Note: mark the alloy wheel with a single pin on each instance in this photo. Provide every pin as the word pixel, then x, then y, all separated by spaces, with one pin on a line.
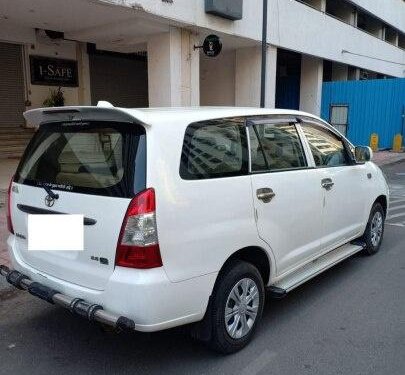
pixel 241 308
pixel 376 228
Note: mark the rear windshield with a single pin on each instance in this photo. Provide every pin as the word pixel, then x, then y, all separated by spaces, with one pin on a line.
pixel 103 158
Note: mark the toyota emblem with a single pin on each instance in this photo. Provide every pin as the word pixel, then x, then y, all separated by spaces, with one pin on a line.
pixel 49 201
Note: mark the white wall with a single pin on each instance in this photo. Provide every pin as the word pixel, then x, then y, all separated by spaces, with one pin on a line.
pixel 311 85
pixel 173 69
pixel 217 79
pixel 248 77
pixel 65 50
pixel 16 33
pixel 390 11
pixel 295 26
pixel 192 13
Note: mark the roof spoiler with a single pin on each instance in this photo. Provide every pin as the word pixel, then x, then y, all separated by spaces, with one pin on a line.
pixel 36 117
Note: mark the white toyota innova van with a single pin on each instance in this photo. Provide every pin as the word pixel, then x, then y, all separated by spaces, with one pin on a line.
pixel 190 215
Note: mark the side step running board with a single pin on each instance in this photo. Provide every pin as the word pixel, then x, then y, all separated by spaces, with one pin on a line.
pixel 280 288
pixel 75 305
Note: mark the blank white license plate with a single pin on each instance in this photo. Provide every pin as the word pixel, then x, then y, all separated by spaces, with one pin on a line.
pixel 55 232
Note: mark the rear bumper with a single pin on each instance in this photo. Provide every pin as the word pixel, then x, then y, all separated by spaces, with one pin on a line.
pixel 147 297
pixel 91 311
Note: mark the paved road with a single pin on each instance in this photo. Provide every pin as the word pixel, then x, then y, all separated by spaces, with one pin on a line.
pixel 396 176
pixel 349 320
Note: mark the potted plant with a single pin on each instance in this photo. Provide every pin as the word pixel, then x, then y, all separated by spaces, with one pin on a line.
pixel 55 98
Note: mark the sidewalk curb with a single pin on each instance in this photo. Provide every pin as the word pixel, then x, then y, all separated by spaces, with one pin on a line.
pixel 390 162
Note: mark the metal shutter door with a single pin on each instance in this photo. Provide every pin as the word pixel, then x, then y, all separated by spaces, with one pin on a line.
pixel 12 101
pixel 121 81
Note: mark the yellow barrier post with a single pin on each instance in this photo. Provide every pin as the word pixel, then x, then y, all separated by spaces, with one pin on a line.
pixel 397 144
pixel 374 142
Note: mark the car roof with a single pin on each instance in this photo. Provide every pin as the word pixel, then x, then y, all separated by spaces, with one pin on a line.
pixel 149 116
pixel 193 114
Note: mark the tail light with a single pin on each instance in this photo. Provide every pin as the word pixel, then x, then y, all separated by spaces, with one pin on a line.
pixel 138 245
pixel 8 214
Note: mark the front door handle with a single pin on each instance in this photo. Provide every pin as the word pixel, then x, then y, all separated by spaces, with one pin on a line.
pixel 265 194
pixel 327 183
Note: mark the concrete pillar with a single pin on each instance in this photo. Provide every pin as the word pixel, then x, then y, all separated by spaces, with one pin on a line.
pixel 248 77
pixel 173 69
pixel 383 32
pixel 354 74
pixel 353 18
pixel 396 40
pixel 84 89
pixel 339 72
pixel 317 4
pixel 323 5
pixel 311 84
pixel 271 77
pixel 217 79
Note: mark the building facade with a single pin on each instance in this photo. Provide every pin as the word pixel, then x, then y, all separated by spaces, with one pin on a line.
pixel 140 53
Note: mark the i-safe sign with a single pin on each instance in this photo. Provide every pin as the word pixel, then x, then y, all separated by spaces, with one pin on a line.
pixel 50 71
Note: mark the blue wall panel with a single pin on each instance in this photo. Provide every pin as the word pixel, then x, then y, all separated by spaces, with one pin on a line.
pixel 375 106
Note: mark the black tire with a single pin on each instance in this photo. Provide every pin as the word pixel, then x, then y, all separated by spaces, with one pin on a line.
pixel 220 339
pixel 372 246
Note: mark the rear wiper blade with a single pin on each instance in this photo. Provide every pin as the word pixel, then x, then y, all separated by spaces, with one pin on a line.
pixel 50 192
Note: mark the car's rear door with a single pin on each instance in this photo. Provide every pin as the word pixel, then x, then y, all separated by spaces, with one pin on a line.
pixel 95 168
pixel 343 182
pixel 286 192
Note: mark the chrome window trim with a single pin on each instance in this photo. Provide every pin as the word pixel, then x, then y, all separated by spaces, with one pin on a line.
pixel 247 130
pixel 292 120
pixel 306 147
pixel 328 127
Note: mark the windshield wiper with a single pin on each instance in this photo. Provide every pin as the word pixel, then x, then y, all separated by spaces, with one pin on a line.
pixel 50 192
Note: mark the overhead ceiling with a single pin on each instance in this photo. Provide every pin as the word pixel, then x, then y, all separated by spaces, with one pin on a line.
pixel 83 20
pixel 119 28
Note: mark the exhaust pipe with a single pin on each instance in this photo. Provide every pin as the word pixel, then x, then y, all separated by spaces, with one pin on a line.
pixel 92 312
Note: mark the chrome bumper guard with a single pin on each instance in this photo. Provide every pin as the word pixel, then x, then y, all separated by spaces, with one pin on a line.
pixel 92 312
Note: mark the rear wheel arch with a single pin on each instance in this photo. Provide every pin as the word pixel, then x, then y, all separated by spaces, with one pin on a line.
pixel 255 255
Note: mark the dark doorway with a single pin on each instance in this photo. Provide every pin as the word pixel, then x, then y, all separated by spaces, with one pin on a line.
pixel 288 79
pixel 121 79
pixel 12 98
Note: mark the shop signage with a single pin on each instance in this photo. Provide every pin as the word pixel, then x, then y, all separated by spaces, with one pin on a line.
pixel 50 71
pixel 212 46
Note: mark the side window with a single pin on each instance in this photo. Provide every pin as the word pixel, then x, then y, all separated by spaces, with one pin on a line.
pixel 275 147
pixel 327 148
pixel 338 117
pixel 214 149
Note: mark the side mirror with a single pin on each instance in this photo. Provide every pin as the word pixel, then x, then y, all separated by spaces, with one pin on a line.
pixel 363 154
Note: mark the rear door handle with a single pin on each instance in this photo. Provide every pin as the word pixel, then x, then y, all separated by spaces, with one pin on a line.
pixel 265 194
pixel 327 183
